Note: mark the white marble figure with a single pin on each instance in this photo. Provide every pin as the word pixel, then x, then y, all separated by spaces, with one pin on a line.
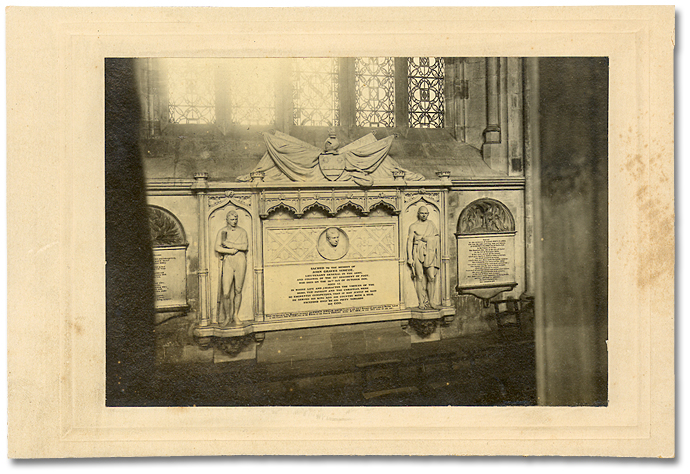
pixel 423 257
pixel 231 244
pixel 332 247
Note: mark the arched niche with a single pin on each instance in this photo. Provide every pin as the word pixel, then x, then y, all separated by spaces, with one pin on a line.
pixel 410 217
pixel 217 220
pixel 486 249
pixel 169 259
pixel 485 216
pixel 166 229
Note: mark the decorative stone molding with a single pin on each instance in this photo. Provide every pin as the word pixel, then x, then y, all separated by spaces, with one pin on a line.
pixel 331 201
pixel 232 345
pixel 485 216
pixel 200 181
pixel 242 200
pixel 257 176
pixel 422 193
pixel 424 327
pixel 166 230
pixel 444 176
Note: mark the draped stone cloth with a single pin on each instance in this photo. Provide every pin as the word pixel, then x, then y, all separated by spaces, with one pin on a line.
pixel 365 160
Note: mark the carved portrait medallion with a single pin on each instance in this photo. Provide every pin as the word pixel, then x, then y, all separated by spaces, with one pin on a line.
pixel 333 243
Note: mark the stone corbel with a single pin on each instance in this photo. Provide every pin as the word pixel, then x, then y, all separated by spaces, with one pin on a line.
pixel 424 327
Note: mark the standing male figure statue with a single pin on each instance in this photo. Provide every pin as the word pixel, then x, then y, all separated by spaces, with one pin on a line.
pixel 232 245
pixel 423 257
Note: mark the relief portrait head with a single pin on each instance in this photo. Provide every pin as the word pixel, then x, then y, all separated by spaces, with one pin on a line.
pixel 333 243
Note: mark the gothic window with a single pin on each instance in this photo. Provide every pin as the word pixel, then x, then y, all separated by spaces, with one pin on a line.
pixel 315 91
pixel 252 91
pixel 232 94
pixel 425 84
pixel 375 92
pixel 191 91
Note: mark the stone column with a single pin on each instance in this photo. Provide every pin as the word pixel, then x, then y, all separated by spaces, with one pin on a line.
pixel 444 176
pixel 492 133
pixel 258 253
pixel 531 155
pixel 399 177
pixel 515 110
pixel 200 188
pixel 491 149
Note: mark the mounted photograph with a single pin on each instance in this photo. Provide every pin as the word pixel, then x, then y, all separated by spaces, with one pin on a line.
pixel 346 231
pixel 359 231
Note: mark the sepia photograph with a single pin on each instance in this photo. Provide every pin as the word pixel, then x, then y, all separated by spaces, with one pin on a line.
pixel 348 231
pixel 357 231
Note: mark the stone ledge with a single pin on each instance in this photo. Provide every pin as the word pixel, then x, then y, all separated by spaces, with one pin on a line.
pixel 269 326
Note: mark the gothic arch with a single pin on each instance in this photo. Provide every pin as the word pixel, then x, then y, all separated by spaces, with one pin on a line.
pixel 166 229
pixel 485 216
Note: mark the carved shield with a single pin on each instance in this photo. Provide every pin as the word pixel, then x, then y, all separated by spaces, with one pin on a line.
pixel 332 165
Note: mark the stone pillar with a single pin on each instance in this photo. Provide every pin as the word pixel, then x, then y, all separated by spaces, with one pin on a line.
pixel 501 161
pixel 531 155
pixel 200 188
pixel 444 277
pixel 491 149
pixel 571 232
pixel 515 110
pixel 492 134
pixel 257 242
pixel 402 236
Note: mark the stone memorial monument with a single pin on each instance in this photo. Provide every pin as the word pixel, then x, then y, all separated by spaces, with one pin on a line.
pixel 324 236
pixel 169 260
pixel 486 249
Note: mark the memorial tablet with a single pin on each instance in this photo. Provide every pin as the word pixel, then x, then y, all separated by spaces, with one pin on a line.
pixel 169 260
pixel 486 249
pixel 170 278
pixel 302 279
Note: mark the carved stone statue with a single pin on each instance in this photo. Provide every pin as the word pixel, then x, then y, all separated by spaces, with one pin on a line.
pixel 333 246
pixel 423 257
pixel 231 244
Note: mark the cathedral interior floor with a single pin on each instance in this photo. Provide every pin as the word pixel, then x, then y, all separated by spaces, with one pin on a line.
pixel 493 369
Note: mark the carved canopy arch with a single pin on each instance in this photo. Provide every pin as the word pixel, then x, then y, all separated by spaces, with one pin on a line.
pixel 384 206
pixel 485 216
pixel 166 230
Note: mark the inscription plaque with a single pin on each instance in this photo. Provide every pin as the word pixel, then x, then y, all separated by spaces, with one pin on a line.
pixel 302 279
pixel 486 261
pixel 329 288
pixel 170 277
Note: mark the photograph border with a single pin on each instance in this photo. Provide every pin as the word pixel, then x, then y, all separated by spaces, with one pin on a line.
pixel 55 58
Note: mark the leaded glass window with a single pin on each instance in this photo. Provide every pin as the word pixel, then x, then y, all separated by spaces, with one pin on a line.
pixel 425 81
pixel 192 90
pixel 315 91
pixel 375 92
pixel 252 91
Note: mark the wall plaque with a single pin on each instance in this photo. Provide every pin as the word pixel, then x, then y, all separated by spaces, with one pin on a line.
pixel 486 261
pixel 331 288
pixel 330 267
pixel 486 249
pixel 170 277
